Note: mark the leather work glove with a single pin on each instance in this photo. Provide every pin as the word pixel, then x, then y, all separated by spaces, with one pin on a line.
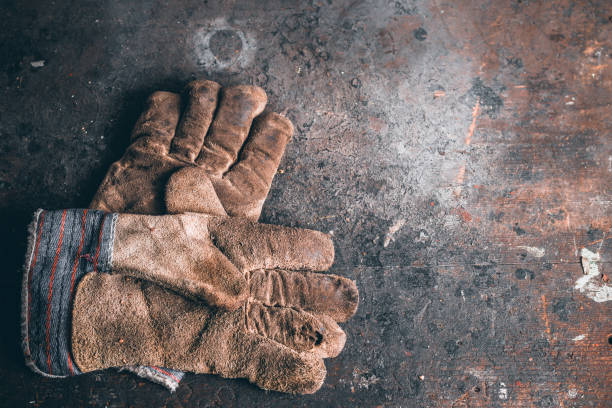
pixel 195 154
pixel 200 161
pixel 83 312
pixel 200 152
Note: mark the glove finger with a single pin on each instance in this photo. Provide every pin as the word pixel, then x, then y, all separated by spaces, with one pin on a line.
pixel 156 126
pixel 230 128
pixel 272 366
pixel 296 329
pixel 320 294
pixel 250 245
pixel 201 104
pixel 252 175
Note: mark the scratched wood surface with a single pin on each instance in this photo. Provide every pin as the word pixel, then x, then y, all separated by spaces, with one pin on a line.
pixel 460 152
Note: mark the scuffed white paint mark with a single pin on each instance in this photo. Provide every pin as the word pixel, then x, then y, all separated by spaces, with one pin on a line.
pixel 206 58
pixel 37 64
pixel 397 225
pixel 503 391
pixel 363 379
pixel 588 260
pixel 419 317
pixel 482 375
pixel 366 382
pixel 590 284
pixel 579 337
pixel 572 393
pixel 575 247
pixel 422 238
pixel 533 251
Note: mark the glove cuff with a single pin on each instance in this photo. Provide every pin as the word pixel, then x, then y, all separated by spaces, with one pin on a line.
pixel 63 246
pixel 165 377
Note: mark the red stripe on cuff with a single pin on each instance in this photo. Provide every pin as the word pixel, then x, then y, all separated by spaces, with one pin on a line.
pixel 74 268
pixel 70 365
pixel 165 373
pixel 57 253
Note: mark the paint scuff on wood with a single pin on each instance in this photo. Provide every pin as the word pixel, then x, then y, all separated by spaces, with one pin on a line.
pixel 397 225
pixel 533 251
pixel 590 284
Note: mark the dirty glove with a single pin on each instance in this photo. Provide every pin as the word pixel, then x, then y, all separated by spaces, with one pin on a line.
pixel 77 317
pixel 200 161
pixel 186 149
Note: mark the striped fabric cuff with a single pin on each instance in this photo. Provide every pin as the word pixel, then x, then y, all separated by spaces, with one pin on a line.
pixel 63 246
pixel 164 376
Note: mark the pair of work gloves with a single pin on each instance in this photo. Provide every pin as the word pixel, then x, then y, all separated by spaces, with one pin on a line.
pixel 169 271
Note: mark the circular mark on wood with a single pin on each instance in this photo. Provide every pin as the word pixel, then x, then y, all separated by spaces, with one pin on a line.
pixel 225 45
pixel 222 47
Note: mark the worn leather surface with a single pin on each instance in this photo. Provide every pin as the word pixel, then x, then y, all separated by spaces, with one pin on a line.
pixel 213 258
pixel 215 158
pixel 217 155
pixel 121 321
pixel 178 149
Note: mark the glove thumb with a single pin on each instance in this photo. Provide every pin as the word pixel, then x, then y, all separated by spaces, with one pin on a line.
pixel 190 190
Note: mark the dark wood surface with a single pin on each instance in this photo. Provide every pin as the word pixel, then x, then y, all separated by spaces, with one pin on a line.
pixel 459 151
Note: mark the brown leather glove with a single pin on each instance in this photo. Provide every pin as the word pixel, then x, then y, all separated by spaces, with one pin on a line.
pixel 199 161
pixel 170 154
pixel 204 165
pixel 118 321
pixel 82 312
pixel 213 258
